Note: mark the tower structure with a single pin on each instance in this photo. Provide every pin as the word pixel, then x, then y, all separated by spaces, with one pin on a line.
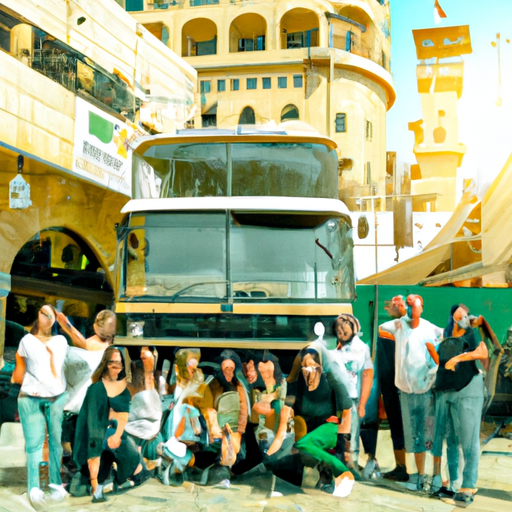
pixel 439 76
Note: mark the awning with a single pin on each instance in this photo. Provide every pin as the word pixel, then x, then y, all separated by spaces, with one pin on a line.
pixel 497 219
pixel 449 231
pixel 473 271
pixel 496 240
pixel 417 269
pixel 209 109
pixel 413 270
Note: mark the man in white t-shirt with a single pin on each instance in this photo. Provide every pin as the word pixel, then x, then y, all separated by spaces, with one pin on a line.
pixel 356 369
pixel 415 372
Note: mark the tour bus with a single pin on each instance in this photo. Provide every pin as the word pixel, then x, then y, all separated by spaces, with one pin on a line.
pixel 233 239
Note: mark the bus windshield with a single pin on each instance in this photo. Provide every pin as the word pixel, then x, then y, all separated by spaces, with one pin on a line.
pixel 236 169
pixel 228 255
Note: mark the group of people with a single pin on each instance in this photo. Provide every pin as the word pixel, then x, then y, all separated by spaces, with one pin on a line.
pixel 84 389
pixel 215 419
pixel 433 392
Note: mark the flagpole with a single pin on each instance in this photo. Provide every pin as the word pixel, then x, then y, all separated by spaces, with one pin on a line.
pixel 497 44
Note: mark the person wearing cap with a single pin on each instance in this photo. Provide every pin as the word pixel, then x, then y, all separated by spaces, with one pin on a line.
pixel 353 355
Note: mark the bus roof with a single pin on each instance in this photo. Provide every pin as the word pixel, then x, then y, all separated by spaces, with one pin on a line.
pixel 262 204
pixel 242 134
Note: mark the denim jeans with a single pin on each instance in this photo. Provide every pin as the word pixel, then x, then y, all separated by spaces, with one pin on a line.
pixel 418 421
pixel 458 417
pixel 37 413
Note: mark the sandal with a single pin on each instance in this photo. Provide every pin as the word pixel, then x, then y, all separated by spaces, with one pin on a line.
pixel 461 499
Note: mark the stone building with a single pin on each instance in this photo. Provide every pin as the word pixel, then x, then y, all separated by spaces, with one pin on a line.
pixel 322 62
pixel 78 80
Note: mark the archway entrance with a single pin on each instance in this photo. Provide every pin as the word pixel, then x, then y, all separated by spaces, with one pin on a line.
pixel 247 116
pixel 56 266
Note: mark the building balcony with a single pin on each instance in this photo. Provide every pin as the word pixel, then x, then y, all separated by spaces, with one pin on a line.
pixel 42 128
pixel 71 69
pixel 290 57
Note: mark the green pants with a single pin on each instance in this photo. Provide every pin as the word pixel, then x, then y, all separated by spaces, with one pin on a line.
pixel 316 444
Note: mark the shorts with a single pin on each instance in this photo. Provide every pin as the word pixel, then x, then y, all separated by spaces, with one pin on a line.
pixel 418 421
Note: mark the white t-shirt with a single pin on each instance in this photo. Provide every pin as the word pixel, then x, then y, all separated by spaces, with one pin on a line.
pixel 39 379
pixel 355 357
pixel 145 414
pixel 79 366
pixel 415 370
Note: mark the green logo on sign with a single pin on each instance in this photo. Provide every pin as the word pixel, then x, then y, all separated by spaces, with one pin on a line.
pixel 100 128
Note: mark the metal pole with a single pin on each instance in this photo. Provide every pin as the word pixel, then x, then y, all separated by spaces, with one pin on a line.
pixel 375 233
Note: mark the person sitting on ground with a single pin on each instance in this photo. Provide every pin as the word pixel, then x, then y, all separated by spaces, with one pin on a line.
pixel 143 425
pixel 100 437
pixel 274 434
pixel 322 409
pixel 229 414
pixel 182 430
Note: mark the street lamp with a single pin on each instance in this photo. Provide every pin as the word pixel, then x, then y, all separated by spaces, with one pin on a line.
pixel 496 44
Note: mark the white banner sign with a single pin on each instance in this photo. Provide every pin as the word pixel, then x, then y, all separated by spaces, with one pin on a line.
pixel 101 150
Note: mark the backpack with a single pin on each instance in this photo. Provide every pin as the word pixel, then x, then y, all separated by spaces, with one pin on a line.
pixel 228 409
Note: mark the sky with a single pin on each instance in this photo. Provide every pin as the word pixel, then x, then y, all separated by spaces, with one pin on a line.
pixel 484 128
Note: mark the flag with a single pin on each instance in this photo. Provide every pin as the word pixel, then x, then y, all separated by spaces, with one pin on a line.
pixel 438 9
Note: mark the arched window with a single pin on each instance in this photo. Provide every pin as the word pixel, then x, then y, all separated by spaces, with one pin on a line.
pixel 247 116
pixel 299 29
pixel 247 33
pixel 199 37
pixel 289 112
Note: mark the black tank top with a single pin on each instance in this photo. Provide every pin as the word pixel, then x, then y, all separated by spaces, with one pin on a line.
pixel 449 380
pixel 121 402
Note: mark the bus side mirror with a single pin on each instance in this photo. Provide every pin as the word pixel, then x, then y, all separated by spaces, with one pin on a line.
pixel 362 227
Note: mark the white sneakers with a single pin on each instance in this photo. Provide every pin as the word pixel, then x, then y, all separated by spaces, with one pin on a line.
pixel 40 500
pixel 343 485
pixel 58 493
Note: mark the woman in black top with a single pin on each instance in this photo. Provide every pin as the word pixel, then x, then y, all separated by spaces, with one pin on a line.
pixel 459 400
pixel 100 437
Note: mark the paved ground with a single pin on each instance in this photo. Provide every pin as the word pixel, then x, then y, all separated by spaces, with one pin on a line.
pixel 251 492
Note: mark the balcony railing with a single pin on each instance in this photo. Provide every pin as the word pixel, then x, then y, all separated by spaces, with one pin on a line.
pixel 195 3
pixel 305 39
pixel 69 68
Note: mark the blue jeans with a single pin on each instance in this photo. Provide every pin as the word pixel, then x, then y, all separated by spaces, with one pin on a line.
pixel 37 413
pixel 458 417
